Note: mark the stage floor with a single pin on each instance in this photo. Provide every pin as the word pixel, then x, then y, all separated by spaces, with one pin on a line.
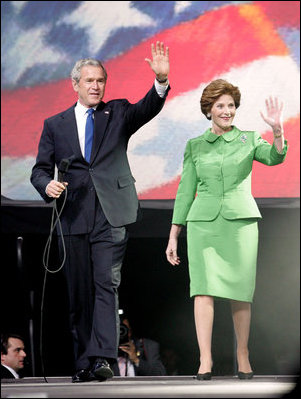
pixel 150 387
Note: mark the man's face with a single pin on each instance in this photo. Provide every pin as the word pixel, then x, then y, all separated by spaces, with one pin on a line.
pixel 91 86
pixel 15 354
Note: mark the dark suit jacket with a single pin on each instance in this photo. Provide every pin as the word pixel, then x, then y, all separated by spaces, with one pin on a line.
pixel 149 360
pixel 108 172
pixel 5 373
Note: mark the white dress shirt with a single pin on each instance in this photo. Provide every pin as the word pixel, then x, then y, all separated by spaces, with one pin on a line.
pixel 126 367
pixel 81 118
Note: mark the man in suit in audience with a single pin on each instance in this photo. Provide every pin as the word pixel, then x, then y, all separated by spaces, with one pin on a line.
pixel 12 356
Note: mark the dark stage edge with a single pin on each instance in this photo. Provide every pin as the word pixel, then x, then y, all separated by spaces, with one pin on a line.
pixel 271 386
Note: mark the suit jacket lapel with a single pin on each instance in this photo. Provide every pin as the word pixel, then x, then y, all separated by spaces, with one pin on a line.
pixel 69 127
pixel 102 116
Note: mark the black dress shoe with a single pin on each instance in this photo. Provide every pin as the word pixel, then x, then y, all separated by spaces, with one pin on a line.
pixel 245 376
pixel 204 376
pixel 101 369
pixel 83 375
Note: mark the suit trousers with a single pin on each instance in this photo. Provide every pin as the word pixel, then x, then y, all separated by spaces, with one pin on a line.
pixel 93 274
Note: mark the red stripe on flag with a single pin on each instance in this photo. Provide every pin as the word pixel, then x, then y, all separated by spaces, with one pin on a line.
pixel 199 50
pixel 282 13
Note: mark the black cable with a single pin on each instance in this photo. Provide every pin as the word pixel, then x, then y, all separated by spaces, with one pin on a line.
pixel 46 266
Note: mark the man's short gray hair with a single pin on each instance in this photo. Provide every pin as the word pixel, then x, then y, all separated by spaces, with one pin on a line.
pixel 75 73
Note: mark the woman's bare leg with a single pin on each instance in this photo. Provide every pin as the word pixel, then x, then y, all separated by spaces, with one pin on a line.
pixel 241 314
pixel 203 316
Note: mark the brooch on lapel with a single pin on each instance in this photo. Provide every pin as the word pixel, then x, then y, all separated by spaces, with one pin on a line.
pixel 243 138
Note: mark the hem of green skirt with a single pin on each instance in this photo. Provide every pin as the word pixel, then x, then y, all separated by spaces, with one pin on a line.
pixel 223 298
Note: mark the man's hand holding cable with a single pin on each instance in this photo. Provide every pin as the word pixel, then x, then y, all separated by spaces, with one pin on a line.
pixel 54 188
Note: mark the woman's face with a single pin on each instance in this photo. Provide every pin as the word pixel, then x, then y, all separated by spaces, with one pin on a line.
pixel 222 114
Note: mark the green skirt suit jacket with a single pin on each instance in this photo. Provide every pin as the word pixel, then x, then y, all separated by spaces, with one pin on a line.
pixel 214 199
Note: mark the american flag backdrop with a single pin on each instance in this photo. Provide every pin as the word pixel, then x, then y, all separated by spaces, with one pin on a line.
pixel 253 44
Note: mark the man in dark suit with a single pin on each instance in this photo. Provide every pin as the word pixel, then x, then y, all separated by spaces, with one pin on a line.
pixel 92 137
pixel 12 355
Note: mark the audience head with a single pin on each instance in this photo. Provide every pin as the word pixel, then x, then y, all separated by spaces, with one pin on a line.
pixel 12 351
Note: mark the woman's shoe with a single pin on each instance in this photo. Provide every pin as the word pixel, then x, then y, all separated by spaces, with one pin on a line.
pixel 204 376
pixel 245 376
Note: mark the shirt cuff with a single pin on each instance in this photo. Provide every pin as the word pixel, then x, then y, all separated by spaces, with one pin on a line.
pixel 160 88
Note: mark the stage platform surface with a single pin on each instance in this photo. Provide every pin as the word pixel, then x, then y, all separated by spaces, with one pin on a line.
pixel 152 387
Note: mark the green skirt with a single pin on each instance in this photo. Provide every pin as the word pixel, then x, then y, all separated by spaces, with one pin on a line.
pixel 222 256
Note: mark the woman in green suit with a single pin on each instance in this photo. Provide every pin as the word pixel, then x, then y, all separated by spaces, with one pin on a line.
pixel 214 199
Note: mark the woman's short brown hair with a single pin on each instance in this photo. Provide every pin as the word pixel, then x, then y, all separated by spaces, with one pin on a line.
pixel 214 90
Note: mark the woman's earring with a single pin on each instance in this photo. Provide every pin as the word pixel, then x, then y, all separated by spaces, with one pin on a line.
pixel 208 115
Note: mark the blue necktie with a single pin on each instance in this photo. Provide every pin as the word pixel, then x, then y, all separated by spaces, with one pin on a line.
pixel 89 134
